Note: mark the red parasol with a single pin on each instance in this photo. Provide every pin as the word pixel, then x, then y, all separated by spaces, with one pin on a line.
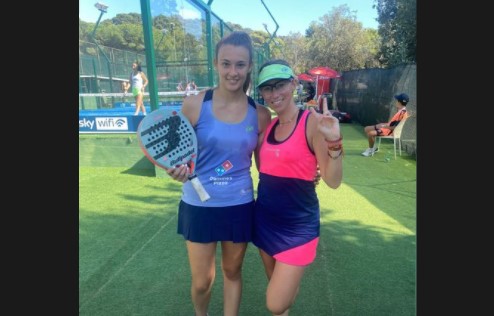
pixel 305 77
pixel 324 72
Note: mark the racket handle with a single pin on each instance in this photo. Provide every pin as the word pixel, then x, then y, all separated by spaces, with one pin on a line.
pixel 203 195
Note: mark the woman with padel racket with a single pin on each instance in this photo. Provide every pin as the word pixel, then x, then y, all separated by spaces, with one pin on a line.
pixel 229 126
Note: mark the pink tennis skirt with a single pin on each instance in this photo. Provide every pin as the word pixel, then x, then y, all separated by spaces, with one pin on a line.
pixel 299 256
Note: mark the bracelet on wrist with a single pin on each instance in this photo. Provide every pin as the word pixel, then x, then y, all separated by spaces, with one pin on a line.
pixel 334 141
pixel 335 147
pixel 337 156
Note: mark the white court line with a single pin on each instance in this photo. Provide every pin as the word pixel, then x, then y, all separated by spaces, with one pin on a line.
pixel 324 253
pixel 126 263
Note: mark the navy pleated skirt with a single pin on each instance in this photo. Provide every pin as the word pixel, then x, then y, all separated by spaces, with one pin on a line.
pixel 208 224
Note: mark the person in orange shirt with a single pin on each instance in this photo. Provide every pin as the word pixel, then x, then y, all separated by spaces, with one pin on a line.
pixel 384 129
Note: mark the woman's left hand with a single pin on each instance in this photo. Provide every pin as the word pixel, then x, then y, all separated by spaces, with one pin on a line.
pixel 180 173
pixel 327 124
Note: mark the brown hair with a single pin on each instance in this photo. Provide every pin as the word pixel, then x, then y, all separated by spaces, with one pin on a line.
pixel 138 63
pixel 238 38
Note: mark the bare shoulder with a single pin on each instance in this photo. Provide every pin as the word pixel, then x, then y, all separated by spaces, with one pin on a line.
pixel 191 106
pixel 194 99
pixel 262 110
pixel 311 125
pixel 263 116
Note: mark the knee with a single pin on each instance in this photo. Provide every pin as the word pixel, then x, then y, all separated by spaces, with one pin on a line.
pixel 232 272
pixel 278 303
pixel 203 285
pixel 276 308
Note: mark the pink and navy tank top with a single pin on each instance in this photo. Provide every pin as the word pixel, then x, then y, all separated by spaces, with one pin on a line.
pixel 287 208
pixel 291 158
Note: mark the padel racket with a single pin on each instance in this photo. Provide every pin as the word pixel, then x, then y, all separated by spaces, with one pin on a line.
pixel 168 140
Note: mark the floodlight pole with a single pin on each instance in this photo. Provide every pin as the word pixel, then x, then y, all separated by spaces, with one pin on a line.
pixel 103 9
pixel 272 36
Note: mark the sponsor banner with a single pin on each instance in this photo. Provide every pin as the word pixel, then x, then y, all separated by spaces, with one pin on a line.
pixel 109 124
pixel 126 105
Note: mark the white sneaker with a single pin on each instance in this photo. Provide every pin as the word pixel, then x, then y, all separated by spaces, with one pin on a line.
pixel 368 152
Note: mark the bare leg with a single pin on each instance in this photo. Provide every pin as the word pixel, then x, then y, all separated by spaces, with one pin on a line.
pixel 202 266
pixel 143 108
pixel 140 104
pixel 268 262
pixel 283 286
pixel 371 135
pixel 231 264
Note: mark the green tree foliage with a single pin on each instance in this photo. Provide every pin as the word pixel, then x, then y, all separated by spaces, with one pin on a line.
pixel 397 29
pixel 127 18
pixel 237 27
pixel 161 22
pixel 336 39
pixel 85 29
pixel 339 41
pixel 295 51
pixel 259 38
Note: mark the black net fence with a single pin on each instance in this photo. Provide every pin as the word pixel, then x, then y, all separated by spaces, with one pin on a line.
pixel 368 96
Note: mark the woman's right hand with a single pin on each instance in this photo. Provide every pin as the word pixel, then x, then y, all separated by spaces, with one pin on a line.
pixel 180 173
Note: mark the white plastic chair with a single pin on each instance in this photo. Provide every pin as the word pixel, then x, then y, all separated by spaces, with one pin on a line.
pixel 395 136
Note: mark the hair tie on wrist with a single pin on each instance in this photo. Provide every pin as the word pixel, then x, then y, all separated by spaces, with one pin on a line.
pixel 334 141
pixel 340 148
pixel 335 148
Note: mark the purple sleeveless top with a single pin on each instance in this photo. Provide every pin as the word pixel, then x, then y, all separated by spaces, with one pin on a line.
pixel 224 157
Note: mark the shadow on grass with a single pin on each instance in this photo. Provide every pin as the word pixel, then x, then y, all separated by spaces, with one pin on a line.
pixel 142 167
pixel 132 261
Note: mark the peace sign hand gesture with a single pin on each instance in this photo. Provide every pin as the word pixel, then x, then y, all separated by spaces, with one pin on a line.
pixel 327 124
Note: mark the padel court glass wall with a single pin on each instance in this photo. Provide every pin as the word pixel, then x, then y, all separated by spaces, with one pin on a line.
pixel 175 45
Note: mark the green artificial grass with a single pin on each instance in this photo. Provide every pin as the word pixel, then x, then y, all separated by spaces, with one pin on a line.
pixel 132 261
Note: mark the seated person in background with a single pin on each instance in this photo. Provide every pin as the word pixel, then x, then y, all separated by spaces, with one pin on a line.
pixel 180 87
pixel 384 129
pixel 125 88
pixel 193 85
pixel 311 91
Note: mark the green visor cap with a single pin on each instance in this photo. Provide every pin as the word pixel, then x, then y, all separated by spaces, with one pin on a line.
pixel 275 71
